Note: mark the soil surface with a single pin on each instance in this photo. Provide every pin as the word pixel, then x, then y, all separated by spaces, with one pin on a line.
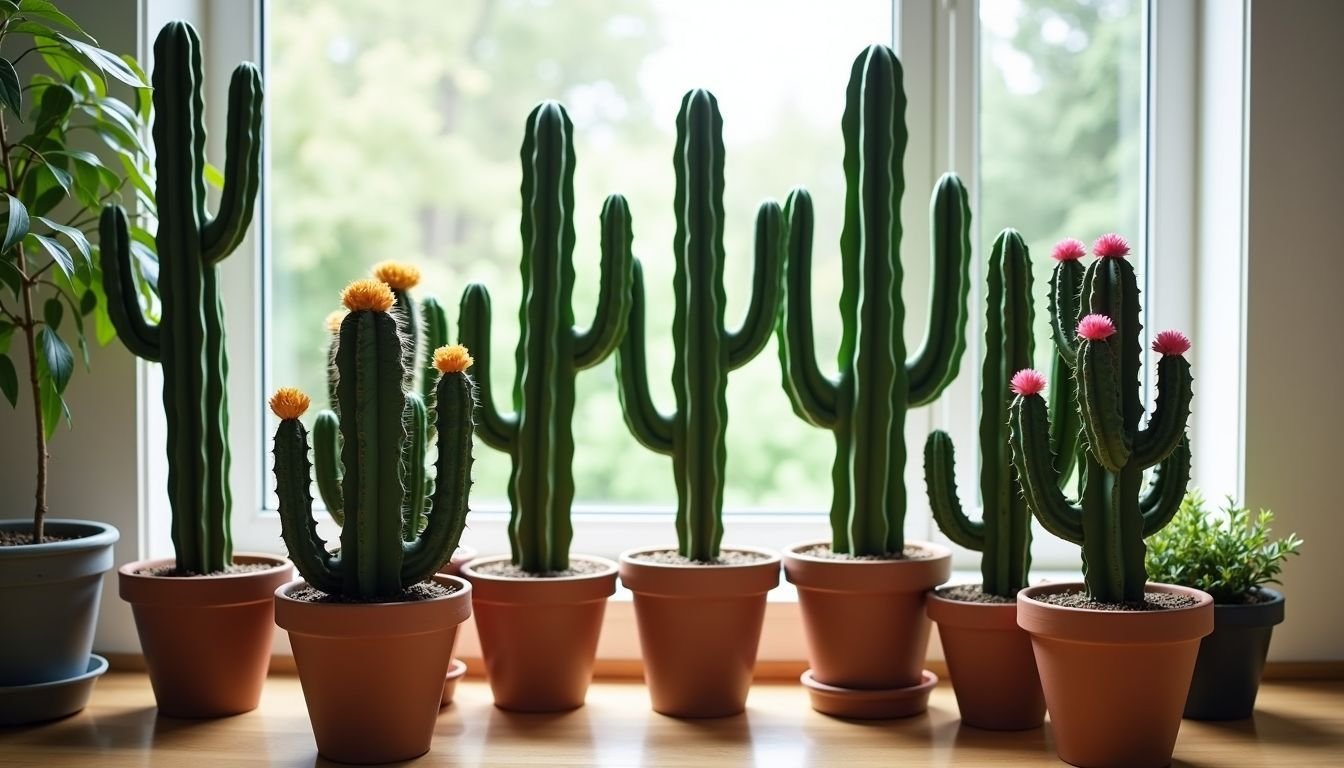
pixel 1153 601
pixel 504 569
pixel 24 538
pixel 425 590
pixel 726 557
pixel 171 571
pixel 825 551
pixel 972 593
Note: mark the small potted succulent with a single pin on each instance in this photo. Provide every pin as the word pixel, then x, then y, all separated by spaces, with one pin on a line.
pixel 207 602
pixel 988 656
pixel 51 569
pixel 862 593
pixel 372 625
pixel 1232 556
pixel 699 606
pixel 1115 653
pixel 539 609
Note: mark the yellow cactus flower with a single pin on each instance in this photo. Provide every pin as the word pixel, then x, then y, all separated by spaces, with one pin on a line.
pixel 452 359
pixel 397 274
pixel 368 296
pixel 289 403
pixel 334 320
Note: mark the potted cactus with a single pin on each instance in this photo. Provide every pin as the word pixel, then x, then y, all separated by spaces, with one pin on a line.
pixel 868 575
pixel 372 624
pixel 988 656
pixel 1115 653
pixel 208 602
pixel 699 606
pixel 539 609
pixel 1232 556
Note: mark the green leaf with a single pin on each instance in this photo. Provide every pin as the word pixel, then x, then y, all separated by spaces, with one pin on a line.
pixel 11 93
pixel 56 356
pixel 53 311
pixel 6 333
pixel 18 223
pixel 53 405
pixel 88 302
pixel 213 176
pixel 53 109
pixel 8 8
pixel 57 252
pixel 109 63
pixel 75 236
pixel 9 380
pixel 46 13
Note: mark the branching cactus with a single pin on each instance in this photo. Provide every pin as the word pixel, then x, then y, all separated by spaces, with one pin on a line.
pixel 1114 512
pixel 538 432
pixel 189 341
pixel 383 550
pixel 694 435
pixel 866 402
pixel 1003 534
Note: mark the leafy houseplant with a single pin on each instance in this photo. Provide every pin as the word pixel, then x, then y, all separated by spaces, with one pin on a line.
pixel 1232 556
pixel 1113 638
pixel 207 601
pixel 698 654
pixel 861 577
pixel 51 570
pixel 372 593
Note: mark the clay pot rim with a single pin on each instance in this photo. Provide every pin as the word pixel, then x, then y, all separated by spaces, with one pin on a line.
pixel 1086 625
pixel 215 589
pixel 470 566
pixel 536 590
pixel 824 574
pixel 968 615
pixel 98 535
pixel 694 580
pixel 457 669
pixel 1262 614
pixel 927 681
pixel 350 620
pixel 771 556
pixel 939 552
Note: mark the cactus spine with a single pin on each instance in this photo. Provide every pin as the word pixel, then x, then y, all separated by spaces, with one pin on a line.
pixel 382 549
pixel 694 435
pixel 189 339
pixel 1114 512
pixel 865 404
pixel 538 433
pixel 1003 533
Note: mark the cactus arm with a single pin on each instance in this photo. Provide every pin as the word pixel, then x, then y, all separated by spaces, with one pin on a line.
pixel 498 430
pixel 651 427
pixel 814 395
pixel 936 363
pixel 940 477
pixel 1166 426
pixel 327 462
pixel 297 526
pixel 1029 431
pixel 1166 490
pixel 242 167
pixel 218 533
pixel 455 398
pixel 751 337
pixel 1065 287
pixel 123 301
pixel 1065 424
pixel 413 466
pixel 593 345
pixel 1099 404
pixel 435 321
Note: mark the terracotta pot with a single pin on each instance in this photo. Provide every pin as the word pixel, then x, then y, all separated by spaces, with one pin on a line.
pixel 864 619
pixel 453 567
pixel 539 635
pixel 699 628
pixel 372 673
pixel 1231 660
pixel 1115 682
pixel 206 639
pixel 990 661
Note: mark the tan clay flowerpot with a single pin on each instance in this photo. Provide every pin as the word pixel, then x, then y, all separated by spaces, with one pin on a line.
pixel 1115 681
pixel 991 664
pixel 453 567
pixel 372 673
pixel 865 621
pixel 699 628
pixel 206 639
pixel 539 635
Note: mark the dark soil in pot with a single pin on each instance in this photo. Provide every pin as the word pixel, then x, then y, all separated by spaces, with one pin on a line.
pixel 1232 659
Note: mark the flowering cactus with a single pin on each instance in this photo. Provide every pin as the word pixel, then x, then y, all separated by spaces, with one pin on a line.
pixel 1114 513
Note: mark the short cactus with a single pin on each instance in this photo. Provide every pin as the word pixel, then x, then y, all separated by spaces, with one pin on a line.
pixel 382 550
pixel 694 434
pixel 538 433
pixel 1003 534
pixel 1114 513
pixel 865 405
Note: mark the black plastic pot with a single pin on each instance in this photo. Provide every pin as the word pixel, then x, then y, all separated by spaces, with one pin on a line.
pixel 1227 673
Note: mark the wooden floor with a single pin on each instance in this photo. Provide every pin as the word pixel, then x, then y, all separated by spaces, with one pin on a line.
pixel 1298 724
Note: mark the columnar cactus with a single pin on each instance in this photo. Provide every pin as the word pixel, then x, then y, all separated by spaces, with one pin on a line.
pixel 865 404
pixel 538 433
pixel 1003 534
pixel 188 341
pixel 694 434
pixel 383 550
pixel 1114 512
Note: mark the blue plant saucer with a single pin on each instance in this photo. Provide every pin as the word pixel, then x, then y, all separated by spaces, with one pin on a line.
pixel 36 702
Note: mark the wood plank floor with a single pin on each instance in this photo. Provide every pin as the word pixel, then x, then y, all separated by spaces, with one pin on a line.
pixel 1297 724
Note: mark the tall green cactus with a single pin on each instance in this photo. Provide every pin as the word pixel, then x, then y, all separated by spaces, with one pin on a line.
pixel 189 341
pixel 1114 513
pixel 383 550
pixel 538 433
pixel 694 435
pixel 1003 533
pixel 865 404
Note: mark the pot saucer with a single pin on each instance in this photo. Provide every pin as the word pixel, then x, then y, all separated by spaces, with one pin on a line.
pixel 456 671
pixel 868 704
pixel 36 702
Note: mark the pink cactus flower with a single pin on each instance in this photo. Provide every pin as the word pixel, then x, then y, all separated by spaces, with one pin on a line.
pixel 1069 250
pixel 1027 382
pixel 1171 343
pixel 1096 328
pixel 1111 246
